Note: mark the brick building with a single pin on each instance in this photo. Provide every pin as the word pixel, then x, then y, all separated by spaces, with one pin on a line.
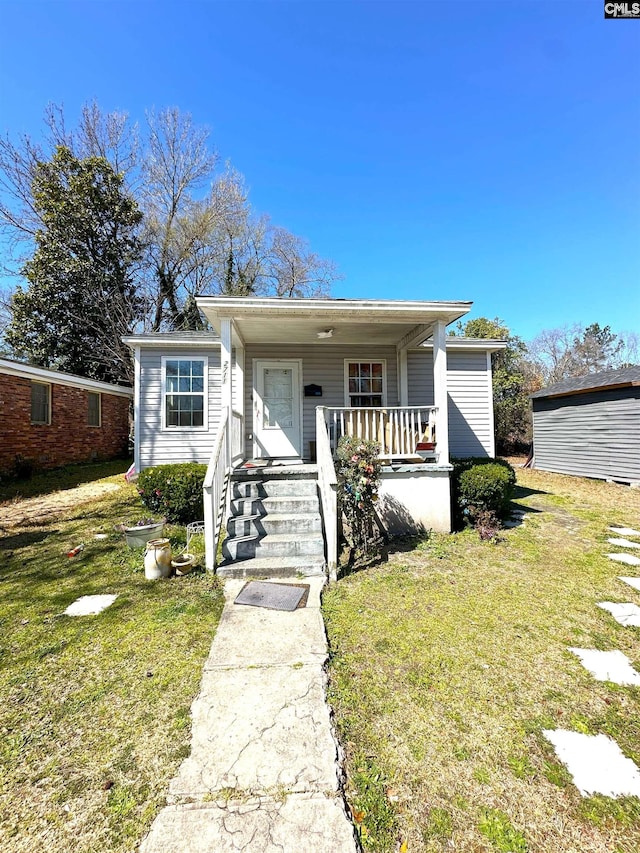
pixel 52 419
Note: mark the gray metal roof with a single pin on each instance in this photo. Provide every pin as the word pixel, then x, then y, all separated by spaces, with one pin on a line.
pixel 626 376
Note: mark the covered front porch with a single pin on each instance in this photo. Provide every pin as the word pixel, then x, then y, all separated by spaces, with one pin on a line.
pixel 296 375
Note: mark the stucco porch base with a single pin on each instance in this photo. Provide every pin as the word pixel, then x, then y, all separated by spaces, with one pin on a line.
pixel 415 498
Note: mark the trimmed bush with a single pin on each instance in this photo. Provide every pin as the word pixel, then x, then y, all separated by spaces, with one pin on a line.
pixel 174 491
pixel 481 485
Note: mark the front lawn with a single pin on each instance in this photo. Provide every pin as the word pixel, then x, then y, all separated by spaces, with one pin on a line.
pixel 94 710
pixel 450 659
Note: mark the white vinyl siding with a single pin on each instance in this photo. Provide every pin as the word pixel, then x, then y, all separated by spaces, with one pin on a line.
pixel 322 365
pixel 158 446
pixel 470 398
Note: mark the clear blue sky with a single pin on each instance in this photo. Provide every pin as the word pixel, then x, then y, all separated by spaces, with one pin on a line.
pixel 487 151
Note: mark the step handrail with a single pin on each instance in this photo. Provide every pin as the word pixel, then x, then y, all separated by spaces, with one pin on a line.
pixel 215 491
pixel 328 488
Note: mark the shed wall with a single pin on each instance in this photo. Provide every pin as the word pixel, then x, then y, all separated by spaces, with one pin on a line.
pixel 589 435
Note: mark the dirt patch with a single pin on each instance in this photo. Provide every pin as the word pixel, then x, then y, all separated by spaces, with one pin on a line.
pixel 31 512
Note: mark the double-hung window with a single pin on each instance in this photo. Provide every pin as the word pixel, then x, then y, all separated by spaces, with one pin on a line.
pixel 184 393
pixel 40 403
pixel 94 409
pixel 366 384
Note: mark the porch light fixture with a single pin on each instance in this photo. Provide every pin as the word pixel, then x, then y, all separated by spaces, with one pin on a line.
pixel 328 333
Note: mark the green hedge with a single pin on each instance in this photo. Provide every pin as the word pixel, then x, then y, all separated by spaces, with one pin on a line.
pixel 480 484
pixel 174 491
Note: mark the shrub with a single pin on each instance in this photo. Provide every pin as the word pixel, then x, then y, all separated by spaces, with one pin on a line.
pixel 174 491
pixel 358 472
pixel 481 485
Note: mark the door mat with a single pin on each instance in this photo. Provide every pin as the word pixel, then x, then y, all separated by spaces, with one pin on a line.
pixel 275 596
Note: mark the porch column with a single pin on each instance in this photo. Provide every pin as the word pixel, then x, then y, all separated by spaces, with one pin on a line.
pixel 226 379
pixel 440 390
pixel 403 376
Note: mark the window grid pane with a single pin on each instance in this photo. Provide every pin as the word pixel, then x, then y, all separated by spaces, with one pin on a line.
pixel 365 384
pixel 184 392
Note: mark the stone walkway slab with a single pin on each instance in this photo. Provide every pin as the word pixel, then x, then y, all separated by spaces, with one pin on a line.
pixel 628 559
pixel 626 614
pixel 634 582
pixel 625 531
pixel 596 763
pixel 623 543
pixel 264 771
pixel 259 731
pixel 300 823
pixel 90 605
pixel 608 666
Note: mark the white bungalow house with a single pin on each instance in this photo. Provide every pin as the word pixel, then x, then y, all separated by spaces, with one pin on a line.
pixel 265 397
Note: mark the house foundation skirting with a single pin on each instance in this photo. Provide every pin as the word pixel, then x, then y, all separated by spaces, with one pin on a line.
pixel 414 498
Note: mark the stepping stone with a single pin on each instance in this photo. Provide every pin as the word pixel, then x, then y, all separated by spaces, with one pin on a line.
pixel 596 764
pixel 624 543
pixel 629 559
pixel 634 582
pixel 626 614
pixel 608 666
pixel 625 531
pixel 90 605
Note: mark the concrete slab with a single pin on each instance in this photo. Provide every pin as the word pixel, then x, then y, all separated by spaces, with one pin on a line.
pixel 628 559
pixel 596 763
pixel 625 531
pixel 608 666
pixel 260 730
pixel 623 543
pixel 634 582
pixel 264 771
pixel 626 614
pixel 300 822
pixel 90 605
pixel 252 636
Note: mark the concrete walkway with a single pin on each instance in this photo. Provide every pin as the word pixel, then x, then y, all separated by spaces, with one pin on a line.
pixel 263 774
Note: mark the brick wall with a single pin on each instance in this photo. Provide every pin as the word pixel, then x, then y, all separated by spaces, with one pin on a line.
pixel 68 438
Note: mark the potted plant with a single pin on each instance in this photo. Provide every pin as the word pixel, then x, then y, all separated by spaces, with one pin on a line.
pixel 138 533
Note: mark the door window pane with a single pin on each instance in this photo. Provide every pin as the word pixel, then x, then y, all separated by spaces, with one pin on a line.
pixel 277 397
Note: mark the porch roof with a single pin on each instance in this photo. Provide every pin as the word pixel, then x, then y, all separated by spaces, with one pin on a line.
pixel 329 322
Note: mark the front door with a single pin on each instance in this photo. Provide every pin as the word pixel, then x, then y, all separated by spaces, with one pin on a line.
pixel 276 409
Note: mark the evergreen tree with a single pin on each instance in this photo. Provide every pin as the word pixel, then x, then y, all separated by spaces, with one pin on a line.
pixel 81 295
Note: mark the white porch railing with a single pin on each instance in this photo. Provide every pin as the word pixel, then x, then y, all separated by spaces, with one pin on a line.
pixel 399 431
pixel 215 488
pixel 237 437
pixel 328 488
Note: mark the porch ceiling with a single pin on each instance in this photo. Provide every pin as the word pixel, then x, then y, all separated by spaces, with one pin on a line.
pixel 349 321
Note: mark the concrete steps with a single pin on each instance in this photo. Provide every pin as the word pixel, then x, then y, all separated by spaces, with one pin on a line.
pixel 275 527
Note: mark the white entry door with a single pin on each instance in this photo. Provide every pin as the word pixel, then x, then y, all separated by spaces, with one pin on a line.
pixel 276 409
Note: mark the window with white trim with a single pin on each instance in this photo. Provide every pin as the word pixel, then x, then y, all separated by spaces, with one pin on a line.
pixel 94 409
pixel 184 393
pixel 40 403
pixel 366 384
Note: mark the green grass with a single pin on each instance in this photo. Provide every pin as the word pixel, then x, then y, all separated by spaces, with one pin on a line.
pixel 450 659
pixel 94 711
